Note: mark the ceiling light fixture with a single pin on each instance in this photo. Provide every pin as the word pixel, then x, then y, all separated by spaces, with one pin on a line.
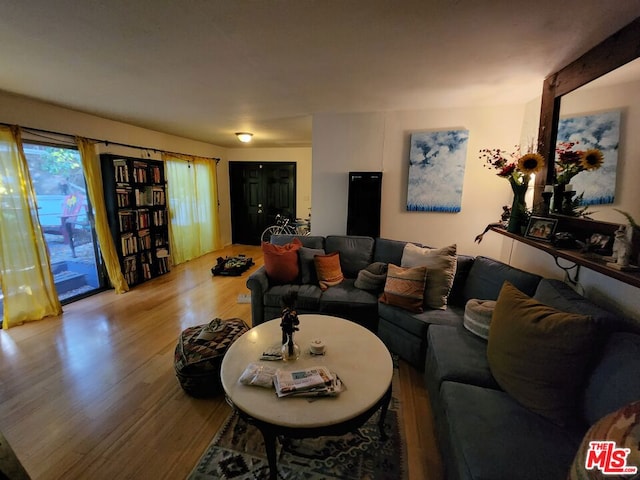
pixel 244 137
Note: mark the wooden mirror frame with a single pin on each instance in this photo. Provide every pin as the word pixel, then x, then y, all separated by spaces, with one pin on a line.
pixel 619 49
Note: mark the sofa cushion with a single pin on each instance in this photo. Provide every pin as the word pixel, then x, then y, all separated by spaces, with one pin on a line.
pixel 615 380
pixel 493 437
pixel 389 251
pixel 418 323
pixel 558 294
pixel 538 354
pixel 328 270
pixel 281 261
pixel 348 295
pixel 457 355
pixel 463 267
pixel 355 252
pixel 309 241
pixel 308 273
pixel 441 267
pixel 621 427
pixel 487 276
pixel 404 288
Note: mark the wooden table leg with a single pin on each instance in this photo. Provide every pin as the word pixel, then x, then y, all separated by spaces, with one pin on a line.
pixel 270 446
pixel 383 413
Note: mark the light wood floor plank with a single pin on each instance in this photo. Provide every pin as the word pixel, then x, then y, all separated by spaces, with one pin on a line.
pixel 92 394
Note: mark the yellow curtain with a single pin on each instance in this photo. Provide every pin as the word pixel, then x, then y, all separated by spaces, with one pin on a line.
pixel 192 194
pixel 93 176
pixel 25 269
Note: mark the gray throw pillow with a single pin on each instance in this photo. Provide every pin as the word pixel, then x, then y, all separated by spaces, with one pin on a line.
pixel 307 267
pixel 372 278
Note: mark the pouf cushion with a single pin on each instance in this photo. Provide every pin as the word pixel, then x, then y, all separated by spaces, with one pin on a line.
pixel 199 352
pixel 477 316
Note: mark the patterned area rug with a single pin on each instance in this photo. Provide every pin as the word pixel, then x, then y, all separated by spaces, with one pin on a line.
pixel 237 452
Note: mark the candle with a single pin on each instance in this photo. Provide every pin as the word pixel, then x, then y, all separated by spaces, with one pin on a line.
pixel 568 188
pixel 548 188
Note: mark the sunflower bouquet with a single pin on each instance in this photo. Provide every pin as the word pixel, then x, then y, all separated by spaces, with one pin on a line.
pixel 571 162
pixel 513 166
pixel 517 169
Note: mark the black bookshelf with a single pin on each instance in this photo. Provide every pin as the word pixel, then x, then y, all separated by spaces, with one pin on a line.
pixel 135 199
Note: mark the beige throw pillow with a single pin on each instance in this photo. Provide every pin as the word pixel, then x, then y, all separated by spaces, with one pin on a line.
pixel 441 266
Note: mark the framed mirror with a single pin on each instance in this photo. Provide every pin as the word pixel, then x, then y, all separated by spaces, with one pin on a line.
pixel 604 79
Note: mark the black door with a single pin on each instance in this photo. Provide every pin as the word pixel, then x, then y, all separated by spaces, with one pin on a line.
pixel 259 191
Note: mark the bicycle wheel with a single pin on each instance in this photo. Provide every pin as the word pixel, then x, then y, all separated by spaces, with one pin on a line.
pixel 272 230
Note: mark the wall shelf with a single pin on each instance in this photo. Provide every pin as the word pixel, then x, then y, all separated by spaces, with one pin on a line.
pixel 590 261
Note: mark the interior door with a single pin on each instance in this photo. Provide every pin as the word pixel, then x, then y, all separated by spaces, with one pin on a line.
pixel 259 191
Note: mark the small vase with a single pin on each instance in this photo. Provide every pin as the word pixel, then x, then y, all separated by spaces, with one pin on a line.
pixel 518 215
pixel 290 350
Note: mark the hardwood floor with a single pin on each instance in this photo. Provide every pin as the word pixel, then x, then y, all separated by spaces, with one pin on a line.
pixel 92 394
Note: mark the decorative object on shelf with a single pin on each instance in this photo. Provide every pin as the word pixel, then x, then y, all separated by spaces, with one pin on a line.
pixel 631 241
pixel 546 199
pixel 541 228
pixel 504 220
pixel 289 324
pixel 516 168
pixel 436 171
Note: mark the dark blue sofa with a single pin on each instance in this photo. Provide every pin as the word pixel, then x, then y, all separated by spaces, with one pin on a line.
pixel 485 434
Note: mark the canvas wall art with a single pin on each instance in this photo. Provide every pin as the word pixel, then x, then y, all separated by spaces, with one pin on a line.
pixel 436 170
pixel 601 131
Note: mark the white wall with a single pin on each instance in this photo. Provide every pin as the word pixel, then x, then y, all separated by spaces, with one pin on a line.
pixel 302 158
pixel 380 142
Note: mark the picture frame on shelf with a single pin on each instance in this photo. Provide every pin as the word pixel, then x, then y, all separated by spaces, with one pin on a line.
pixel 541 228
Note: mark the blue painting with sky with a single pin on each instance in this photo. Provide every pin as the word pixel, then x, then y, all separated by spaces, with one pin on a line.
pixel 436 170
pixel 601 131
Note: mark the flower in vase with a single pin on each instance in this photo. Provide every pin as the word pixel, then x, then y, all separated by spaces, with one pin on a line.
pixel 513 166
pixel 570 162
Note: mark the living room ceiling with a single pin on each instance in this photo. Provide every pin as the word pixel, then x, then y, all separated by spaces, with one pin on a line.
pixel 206 69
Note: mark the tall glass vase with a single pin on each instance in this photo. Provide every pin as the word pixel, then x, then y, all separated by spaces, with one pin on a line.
pixel 518 217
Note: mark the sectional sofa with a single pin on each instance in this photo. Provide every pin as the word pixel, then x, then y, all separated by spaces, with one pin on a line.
pixel 484 431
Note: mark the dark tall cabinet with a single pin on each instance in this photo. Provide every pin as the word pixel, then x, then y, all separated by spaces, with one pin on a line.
pixel 365 195
pixel 135 199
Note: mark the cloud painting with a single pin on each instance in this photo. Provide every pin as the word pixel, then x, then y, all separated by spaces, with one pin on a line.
pixel 436 170
pixel 600 131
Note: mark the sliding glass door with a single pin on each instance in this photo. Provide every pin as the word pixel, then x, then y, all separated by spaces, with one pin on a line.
pixel 66 219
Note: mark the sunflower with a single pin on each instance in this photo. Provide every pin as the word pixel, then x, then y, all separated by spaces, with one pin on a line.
pixel 530 163
pixel 591 159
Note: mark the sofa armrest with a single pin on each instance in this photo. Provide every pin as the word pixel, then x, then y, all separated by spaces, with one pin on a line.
pixel 258 283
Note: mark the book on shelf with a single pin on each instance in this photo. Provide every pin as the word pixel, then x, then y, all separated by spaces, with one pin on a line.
pixel 126 220
pixel 143 218
pixel 129 244
pixel 123 197
pixel 121 171
pixel 310 382
pixel 162 252
pixel 144 239
pixel 140 172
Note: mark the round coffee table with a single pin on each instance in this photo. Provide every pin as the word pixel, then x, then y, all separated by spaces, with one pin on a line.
pixel 360 359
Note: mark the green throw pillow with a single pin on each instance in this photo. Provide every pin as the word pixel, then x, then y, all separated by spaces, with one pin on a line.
pixel 538 354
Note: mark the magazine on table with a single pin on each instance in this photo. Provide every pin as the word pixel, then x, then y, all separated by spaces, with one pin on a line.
pixel 310 382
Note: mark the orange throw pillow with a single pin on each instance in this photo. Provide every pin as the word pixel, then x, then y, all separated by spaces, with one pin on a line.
pixel 281 261
pixel 328 270
pixel 404 287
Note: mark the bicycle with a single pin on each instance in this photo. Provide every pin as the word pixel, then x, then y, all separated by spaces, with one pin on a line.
pixel 284 226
